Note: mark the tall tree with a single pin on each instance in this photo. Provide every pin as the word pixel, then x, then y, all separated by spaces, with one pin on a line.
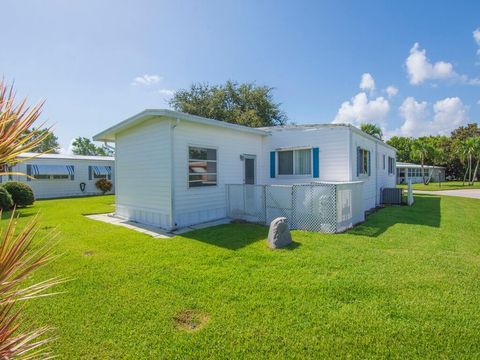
pixel 244 104
pixel 422 150
pixel 372 129
pixel 476 155
pixel 469 149
pixel 403 146
pixel 464 132
pixel 49 141
pixel 84 146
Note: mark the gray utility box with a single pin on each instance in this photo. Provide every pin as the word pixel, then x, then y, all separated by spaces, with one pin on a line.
pixel 392 196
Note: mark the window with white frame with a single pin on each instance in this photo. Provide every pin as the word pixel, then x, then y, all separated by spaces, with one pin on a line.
pixel 202 166
pixel 295 162
pixel 416 172
pixel 391 165
pixel 363 159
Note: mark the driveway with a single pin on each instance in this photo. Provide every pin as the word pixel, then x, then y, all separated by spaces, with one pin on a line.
pixel 469 193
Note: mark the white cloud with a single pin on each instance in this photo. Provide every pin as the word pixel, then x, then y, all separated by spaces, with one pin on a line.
pixel 420 69
pixel 448 114
pixel 476 37
pixel 147 79
pixel 391 91
pixel 478 102
pixel 360 109
pixel 415 115
pixel 367 83
pixel 166 92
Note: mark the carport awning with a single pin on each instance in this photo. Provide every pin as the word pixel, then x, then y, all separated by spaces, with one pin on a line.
pixel 102 170
pixel 53 170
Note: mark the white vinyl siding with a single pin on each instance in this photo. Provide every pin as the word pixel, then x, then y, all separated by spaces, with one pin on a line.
pixel 195 205
pixel 334 156
pixel 61 185
pixel 143 173
pixel 379 177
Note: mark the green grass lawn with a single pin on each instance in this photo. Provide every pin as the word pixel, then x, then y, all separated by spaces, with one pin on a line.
pixel 405 284
pixel 448 185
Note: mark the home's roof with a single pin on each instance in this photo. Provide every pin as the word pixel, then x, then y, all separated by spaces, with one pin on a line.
pixel 411 165
pixel 65 156
pixel 109 134
pixel 330 125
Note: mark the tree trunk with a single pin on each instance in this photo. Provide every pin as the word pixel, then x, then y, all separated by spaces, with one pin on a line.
pixel 423 172
pixel 474 177
pixel 470 169
pixel 466 173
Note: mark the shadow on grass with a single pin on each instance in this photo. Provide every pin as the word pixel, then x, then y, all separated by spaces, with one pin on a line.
pixel 20 212
pixel 292 246
pixel 234 236
pixel 230 236
pixel 425 211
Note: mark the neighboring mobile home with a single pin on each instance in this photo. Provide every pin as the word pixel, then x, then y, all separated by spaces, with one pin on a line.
pixel 61 175
pixel 413 172
pixel 172 168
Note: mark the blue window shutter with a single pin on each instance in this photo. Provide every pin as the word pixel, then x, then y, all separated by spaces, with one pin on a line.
pixel 316 161
pixel 89 173
pixel 369 162
pixel 358 160
pixel 29 172
pixel 272 164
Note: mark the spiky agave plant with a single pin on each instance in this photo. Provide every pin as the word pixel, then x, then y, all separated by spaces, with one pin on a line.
pixel 20 255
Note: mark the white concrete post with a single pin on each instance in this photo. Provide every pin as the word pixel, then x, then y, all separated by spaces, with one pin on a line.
pixel 410 200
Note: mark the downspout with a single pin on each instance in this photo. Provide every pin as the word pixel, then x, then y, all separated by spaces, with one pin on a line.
pixel 173 224
pixel 110 147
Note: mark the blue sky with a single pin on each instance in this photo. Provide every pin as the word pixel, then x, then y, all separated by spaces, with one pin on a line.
pixel 89 58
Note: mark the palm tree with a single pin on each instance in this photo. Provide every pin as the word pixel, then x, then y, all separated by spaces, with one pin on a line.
pixel 466 149
pixel 20 254
pixel 372 129
pixel 421 150
pixel 475 144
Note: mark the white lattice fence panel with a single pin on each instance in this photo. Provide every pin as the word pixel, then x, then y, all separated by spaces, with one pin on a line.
pixel 349 205
pixel 246 202
pixel 319 207
pixel 254 200
pixel 314 208
pixel 278 202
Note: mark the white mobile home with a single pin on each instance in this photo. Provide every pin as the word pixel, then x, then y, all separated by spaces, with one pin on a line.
pixel 62 175
pixel 413 172
pixel 172 168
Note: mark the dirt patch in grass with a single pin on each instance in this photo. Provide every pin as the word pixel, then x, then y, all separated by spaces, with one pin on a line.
pixel 190 320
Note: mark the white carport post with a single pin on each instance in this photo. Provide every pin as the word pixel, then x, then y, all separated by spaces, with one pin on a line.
pixel 410 193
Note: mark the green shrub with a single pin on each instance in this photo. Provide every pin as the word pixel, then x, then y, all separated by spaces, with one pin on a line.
pixel 104 185
pixel 22 194
pixel 6 202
